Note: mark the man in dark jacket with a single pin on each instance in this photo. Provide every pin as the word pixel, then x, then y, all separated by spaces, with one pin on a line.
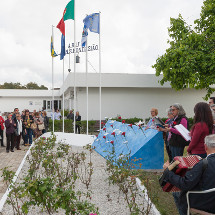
pixel 200 177
pixel 70 115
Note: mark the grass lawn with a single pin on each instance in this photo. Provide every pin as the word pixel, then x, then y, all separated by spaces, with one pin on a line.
pixel 163 201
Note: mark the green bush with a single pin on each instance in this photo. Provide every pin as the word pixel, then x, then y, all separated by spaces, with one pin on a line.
pixel 68 126
pixel 58 125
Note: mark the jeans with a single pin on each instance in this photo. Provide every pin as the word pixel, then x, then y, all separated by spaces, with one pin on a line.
pixel 176 197
pixel 176 151
pixel 28 135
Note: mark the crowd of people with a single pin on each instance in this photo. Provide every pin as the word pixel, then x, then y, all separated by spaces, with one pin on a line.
pixel 22 126
pixel 202 143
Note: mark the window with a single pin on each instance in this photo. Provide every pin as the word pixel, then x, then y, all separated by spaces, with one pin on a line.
pixel 44 104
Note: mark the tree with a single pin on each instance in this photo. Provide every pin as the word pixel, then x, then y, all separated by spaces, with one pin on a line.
pixel 189 62
pixel 17 85
pixel 11 85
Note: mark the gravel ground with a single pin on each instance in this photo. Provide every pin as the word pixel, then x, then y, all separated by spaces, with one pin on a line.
pixel 106 197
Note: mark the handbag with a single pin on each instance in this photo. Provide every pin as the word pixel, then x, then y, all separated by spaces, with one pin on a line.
pixel 41 127
pixel 33 126
pixel 16 132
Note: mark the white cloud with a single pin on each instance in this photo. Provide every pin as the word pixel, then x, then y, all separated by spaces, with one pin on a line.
pixel 133 35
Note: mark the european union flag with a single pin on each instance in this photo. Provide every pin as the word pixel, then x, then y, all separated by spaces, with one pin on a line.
pixel 92 22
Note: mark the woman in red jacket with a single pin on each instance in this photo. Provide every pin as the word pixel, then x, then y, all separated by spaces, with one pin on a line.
pixel 203 126
pixel 2 130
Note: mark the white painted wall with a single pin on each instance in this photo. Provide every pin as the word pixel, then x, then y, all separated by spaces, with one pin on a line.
pixel 7 104
pixel 135 102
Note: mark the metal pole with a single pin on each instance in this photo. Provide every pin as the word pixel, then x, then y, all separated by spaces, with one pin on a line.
pixel 74 70
pixel 87 84
pixel 100 81
pixel 63 95
pixel 53 83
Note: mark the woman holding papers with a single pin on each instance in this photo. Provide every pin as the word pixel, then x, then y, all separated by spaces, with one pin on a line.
pixel 175 139
pixel 203 126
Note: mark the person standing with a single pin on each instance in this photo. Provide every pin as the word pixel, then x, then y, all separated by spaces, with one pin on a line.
pixel 19 129
pixel 15 112
pixel 46 122
pixel 151 124
pixel 10 129
pixel 77 124
pixel 70 115
pixel 57 115
pixel 2 131
pixel 28 120
pixel 168 122
pixel 203 126
pixel 176 142
pixel 39 122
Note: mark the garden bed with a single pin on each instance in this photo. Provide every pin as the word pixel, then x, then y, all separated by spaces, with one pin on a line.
pixel 100 192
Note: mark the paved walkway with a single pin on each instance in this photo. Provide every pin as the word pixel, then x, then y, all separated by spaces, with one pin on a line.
pixel 11 160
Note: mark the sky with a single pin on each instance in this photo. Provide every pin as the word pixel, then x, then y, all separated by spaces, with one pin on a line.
pixel 133 35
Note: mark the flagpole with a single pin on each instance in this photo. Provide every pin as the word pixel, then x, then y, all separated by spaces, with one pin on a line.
pixel 53 83
pixel 100 90
pixel 63 95
pixel 74 70
pixel 87 83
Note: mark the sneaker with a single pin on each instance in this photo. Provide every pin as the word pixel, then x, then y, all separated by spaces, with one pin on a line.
pixel 12 150
pixel 7 151
pixel 18 149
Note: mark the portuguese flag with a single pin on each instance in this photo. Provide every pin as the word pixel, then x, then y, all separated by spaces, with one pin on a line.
pixel 69 11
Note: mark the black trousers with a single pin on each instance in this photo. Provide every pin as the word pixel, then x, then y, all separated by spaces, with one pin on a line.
pixel 2 136
pixel 77 129
pixel 10 141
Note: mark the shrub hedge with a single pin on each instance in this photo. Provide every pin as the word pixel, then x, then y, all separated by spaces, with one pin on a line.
pixel 68 124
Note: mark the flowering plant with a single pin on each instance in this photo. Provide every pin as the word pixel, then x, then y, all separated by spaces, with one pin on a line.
pixel 113 134
pixel 104 129
pixel 112 142
pixel 140 127
pixel 130 125
pixel 111 125
pixel 123 121
pixel 104 137
pixel 123 134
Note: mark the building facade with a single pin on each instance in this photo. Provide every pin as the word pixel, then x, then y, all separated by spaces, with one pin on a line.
pixel 128 95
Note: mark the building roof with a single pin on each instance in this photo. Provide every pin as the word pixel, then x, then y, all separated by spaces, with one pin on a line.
pixel 114 80
pixel 27 93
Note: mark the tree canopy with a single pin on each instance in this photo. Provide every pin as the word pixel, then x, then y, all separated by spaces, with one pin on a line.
pixel 30 85
pixel 189 62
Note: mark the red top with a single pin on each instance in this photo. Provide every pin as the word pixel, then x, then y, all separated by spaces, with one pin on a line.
pixel 198 134
pixel 1 123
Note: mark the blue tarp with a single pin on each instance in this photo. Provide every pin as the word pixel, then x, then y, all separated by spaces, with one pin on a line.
pixel 145 144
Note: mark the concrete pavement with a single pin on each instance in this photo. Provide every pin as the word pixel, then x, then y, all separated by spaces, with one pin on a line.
pixel 11 160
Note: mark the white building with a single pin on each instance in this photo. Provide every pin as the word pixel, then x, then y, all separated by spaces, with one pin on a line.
pixel 28 99
pixel 128 95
